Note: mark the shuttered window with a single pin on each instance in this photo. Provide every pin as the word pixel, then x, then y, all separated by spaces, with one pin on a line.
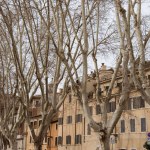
pixel 48 141
pixel 60 121
pixel 78 139
pixel 78 118
pixel 56 141
pixel 138 102
pixel 111 107
pixel 35 124
pixel 143 124
pixel 91 110
pixel 40 121
pixel 69 119
pixel 98 109
pixel 88 130
pixel 46 138
pixel 68 139
pixel 30 139
pixel 59 140
pixel 122 126
pixel 70 98
pixel 132 125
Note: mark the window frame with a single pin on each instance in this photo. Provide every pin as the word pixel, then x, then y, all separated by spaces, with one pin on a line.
pixel 68 140
pixel 59 140
pixel 132 125
pixel 78 118
pixel 78 139
pixel 122 126
pixel 69 119
pixel 143 126
pixel 60 121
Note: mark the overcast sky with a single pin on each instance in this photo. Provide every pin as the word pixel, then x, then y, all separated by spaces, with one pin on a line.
pixel 110 60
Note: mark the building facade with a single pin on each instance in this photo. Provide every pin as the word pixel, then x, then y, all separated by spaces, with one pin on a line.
pixel 70 129
pixel 49 142
pixel 131 131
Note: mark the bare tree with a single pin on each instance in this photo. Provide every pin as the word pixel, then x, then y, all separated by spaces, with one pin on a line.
pixel 133 26
pixel 11 114
pixel 80 38
pixel 72 32
pixel 30 36
pixel 81 33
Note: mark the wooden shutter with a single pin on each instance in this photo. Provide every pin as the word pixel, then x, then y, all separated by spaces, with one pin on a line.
pixel 143 124
pixel 132 125
pixel 122 126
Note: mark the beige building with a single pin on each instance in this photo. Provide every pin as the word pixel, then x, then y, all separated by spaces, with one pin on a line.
pixel 130 132
pixel 50 140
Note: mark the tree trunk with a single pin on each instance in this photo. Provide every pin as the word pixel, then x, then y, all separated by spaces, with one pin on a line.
pixel 5 147
pixel 13 145
pixel 104 143
pixel 37 146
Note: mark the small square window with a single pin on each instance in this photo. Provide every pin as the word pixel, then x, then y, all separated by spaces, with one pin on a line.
pixel 60 121
pixel 78 118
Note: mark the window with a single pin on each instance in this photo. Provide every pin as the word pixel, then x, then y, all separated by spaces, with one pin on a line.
pixel 143 124
pixel 111 107
pixel 68 139
pixel 32 124
pixel 122 126
pixel 78 139
pixel 138 102
pixel 48 141
pixel 78 118
pixel 59 140
pixel 132 125
pixel 30 139
pixel 128 104
pixel 88 130
pixel 98 109
pixel 56 141
pixel 91 110
pixel 70 97
pixel 100 91
pixel 46 138
pixel 69 119
pixel 119 85
pixel 30 113
pixel 90 95
pixel 37 103
pixel 106 88
pixel 60 121
pixel 40 121
pixel 35 124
